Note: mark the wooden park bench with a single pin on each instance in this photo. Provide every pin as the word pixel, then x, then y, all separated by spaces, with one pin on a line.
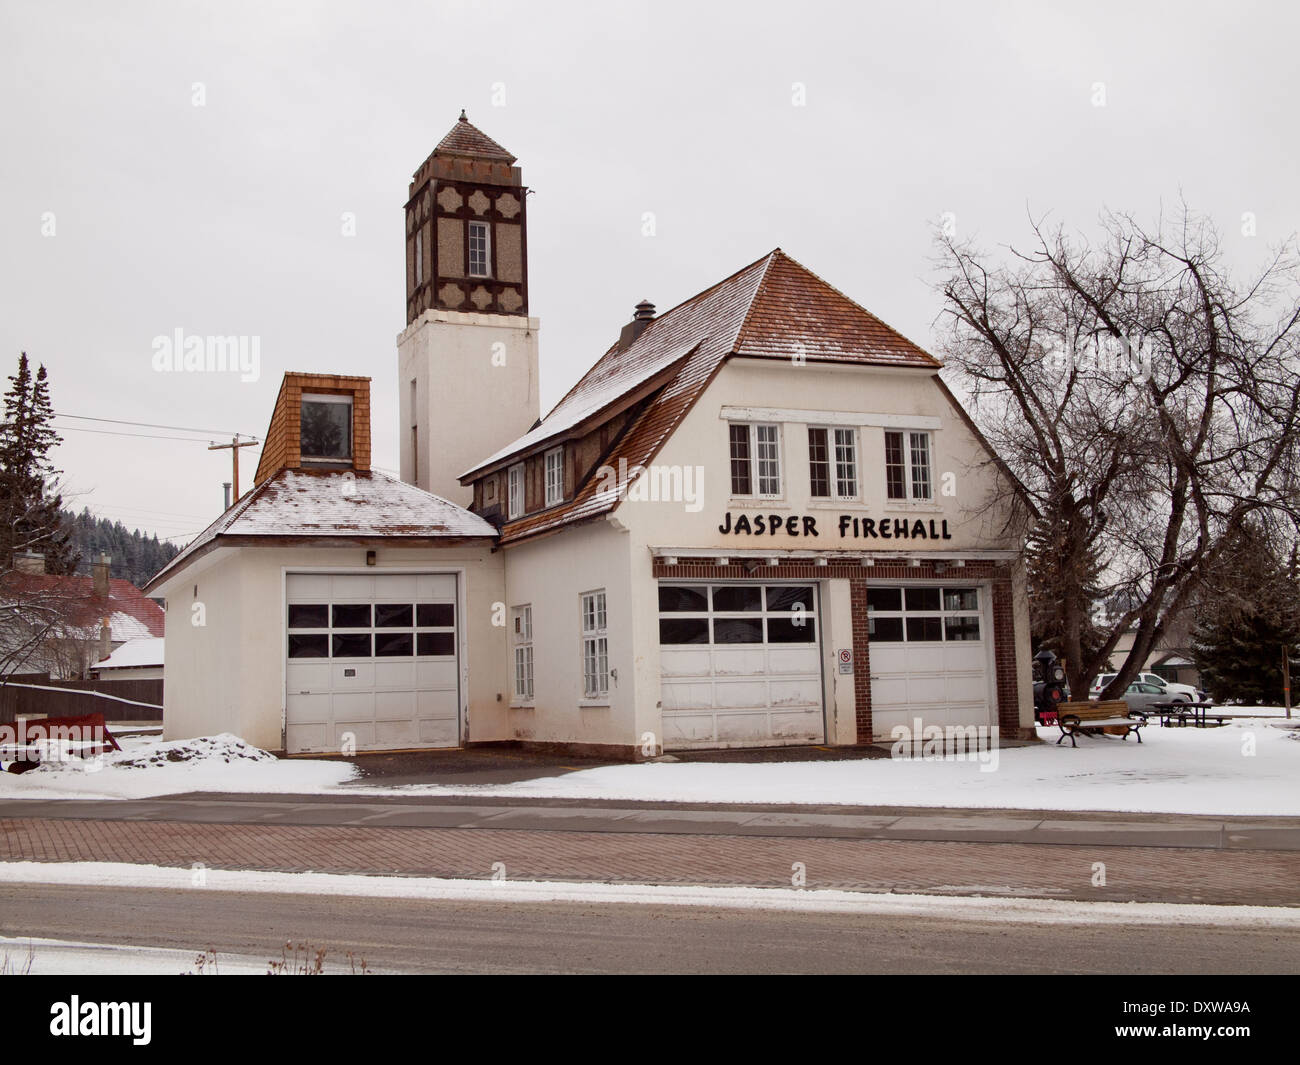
pixel 1113 716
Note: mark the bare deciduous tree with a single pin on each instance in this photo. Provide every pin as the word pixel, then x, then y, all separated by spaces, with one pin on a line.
pixel 1149 405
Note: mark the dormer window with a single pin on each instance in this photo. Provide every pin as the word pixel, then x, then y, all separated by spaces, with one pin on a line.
pixel 326 428
pixel 515 492
pixel 555 476
pixel 479 253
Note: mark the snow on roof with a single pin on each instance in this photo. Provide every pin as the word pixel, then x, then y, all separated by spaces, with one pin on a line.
pixel 136 653
pixel 619 379
pixel 334 504
pixel 774 308
pixel 465 138
pixel 129 611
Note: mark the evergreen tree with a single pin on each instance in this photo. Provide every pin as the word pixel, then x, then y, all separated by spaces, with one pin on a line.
pixel 31 509
pixel 135 556
pixel 1248 612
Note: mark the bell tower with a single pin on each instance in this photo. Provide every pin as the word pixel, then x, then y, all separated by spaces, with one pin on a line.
pixel 467 360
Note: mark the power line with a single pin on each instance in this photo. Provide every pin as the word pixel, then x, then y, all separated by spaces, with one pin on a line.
pixel 138 436
pixel 151 425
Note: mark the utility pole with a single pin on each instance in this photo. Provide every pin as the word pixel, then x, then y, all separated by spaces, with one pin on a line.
pixel 234 446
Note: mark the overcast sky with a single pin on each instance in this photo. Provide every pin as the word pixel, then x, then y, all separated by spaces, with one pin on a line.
pixel 226 218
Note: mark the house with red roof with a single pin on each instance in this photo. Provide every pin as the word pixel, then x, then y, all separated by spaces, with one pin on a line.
pixel 759 519
pixel 64 625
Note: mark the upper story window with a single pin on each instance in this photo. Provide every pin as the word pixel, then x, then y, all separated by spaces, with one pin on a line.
pixel 554 476
pixel 755 460
pixel 907 466
pixel 480 256
pixel 326 428
pixel 833 463
pixel 419 256
pixel 515 492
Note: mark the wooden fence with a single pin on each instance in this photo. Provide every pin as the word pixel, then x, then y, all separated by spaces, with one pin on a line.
pixel 35 693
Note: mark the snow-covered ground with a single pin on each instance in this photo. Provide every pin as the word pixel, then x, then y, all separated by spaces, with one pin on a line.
pixel 57 957
pixel 971 908
pixel 147 766
pixel 1249 767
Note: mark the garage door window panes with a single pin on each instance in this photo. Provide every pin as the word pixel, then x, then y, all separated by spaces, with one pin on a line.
pixel 372 630
pixel 923 615
pixel 725 614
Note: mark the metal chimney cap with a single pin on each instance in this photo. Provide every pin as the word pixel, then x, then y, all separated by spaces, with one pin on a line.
pixel 645 310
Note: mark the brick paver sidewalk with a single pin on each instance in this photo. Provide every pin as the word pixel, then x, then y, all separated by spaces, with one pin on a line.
pixel 1131 873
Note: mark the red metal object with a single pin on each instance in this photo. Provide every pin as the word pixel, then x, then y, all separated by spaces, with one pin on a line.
pixel 41 728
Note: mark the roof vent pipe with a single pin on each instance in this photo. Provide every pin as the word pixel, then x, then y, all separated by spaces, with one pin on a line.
pixel 642 316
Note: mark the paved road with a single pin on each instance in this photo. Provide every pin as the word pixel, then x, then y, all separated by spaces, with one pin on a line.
pixel 462 937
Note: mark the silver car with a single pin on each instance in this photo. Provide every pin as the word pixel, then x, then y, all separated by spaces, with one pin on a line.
pixel 1141 695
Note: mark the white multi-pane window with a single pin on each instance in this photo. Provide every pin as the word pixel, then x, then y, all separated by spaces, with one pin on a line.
pixel 907 466
pixel 755 460
pixel 554 476
pixel 479 254
pixel 523 641
pixel 515 492
pixel 595 646
pixel 843 461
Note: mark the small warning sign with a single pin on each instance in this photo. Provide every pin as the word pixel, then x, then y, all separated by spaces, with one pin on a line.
pixel 846 659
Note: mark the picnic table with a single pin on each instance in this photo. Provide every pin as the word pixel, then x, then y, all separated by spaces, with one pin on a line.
pixel 1086 719
pixel 1200 714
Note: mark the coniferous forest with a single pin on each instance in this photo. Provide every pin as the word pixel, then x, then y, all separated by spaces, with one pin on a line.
pixel 136 556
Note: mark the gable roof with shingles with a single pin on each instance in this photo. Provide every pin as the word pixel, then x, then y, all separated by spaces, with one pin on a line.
pixel 130 612
pixel 465 138
pixel 332 505
pixel 774 308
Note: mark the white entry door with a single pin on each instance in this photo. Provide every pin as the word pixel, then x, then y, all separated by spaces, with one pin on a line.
pixel 372 662
pixel 929 654
pixel 740 665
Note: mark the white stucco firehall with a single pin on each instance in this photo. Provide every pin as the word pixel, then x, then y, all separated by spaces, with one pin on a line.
pixel 759 519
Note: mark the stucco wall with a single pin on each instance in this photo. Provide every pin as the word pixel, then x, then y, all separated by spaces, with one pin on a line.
pixel 228 675
pixel 551 574
pixel 702 440
pixel 476 391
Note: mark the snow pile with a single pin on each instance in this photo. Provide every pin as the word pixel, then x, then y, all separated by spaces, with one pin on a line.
pixel 225 747
pixel 147 767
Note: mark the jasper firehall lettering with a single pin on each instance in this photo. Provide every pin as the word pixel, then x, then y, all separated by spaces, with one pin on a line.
pixel 850 527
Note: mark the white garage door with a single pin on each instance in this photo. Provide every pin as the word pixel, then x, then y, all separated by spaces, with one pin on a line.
pixel 374 658
pixel 929 656
pixel 740 665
